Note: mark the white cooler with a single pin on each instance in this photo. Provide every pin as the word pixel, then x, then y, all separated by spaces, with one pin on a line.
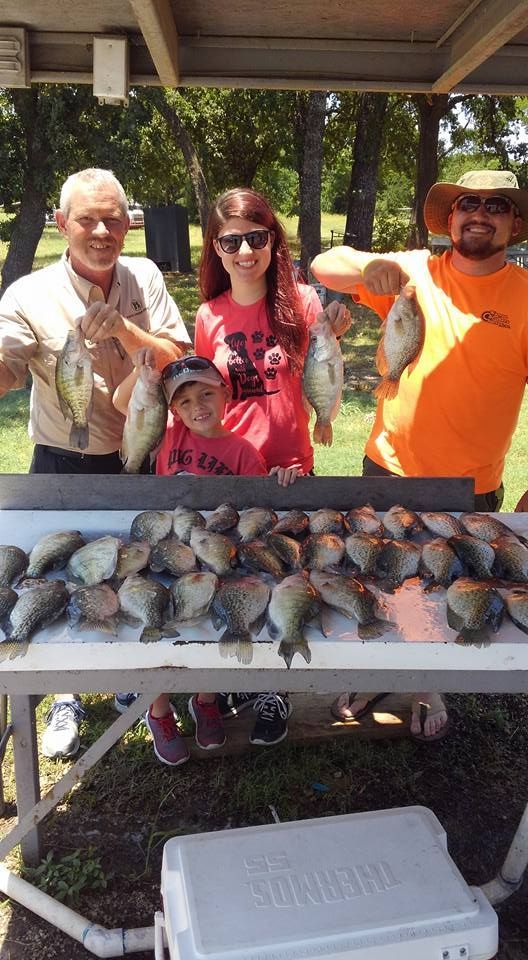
pixel 366 886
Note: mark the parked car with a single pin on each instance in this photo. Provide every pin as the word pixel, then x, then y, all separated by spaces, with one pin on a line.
pixel 135 213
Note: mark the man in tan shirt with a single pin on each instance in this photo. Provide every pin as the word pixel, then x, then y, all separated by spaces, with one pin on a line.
pixel 121 305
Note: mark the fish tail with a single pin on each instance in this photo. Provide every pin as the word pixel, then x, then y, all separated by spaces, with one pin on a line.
pixel 150 634
pixel 371 631
pixel 323 433
pixel 288 649
pixel 474 638
pixel 387 389
pixel 79 436
pixel 170 629
pixel 236 645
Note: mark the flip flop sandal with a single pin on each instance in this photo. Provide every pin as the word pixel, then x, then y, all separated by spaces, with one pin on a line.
pixel 368 708
pixel 425 712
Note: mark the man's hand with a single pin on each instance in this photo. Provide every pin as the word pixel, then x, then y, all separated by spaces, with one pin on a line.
pixel 101 321
pixel 382 276
pixel 337 315
pixel 522 506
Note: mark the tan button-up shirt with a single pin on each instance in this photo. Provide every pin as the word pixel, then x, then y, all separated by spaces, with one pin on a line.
pixel 36 313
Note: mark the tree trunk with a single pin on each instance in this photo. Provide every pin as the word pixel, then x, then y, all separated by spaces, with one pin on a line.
pixel 190 155
pixel 431 109
pixel 311 167
pixel 29 222
pixel 365 169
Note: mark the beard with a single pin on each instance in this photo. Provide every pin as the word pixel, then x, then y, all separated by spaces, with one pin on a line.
pixel 477 247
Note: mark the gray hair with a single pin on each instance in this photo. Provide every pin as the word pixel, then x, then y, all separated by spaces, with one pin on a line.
pixel 91 177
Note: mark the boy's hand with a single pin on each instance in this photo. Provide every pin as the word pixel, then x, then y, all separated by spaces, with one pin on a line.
pixel 145 357
pixel 286 475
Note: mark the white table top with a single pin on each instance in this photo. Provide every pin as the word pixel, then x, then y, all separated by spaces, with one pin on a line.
pixel 419 654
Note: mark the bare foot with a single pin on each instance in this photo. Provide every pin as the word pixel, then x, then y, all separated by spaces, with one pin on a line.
pixel 351 706
pixel 428 716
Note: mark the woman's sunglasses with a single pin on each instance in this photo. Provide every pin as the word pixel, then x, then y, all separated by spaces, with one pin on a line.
pixel 256 239
pixel 470 203
pixel 186 365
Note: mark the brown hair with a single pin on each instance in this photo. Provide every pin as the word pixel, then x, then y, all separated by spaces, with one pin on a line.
pixel 283 303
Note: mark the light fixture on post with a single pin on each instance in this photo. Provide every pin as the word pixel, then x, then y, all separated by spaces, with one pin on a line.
pixel 110 70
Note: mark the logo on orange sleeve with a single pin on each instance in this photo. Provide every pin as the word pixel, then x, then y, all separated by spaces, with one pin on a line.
pixel 499 319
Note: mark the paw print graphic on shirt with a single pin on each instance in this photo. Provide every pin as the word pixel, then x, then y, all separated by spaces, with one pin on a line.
pixel 271 341
pixel 274 359
pixel 259 354
pixel 257 336
pixel 270 373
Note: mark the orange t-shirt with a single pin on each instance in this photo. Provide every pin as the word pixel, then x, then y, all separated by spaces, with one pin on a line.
pixel 458 402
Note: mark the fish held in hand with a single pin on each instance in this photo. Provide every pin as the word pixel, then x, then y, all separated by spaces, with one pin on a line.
pixel 401 342
pixel 474 609
pixel 145 421
pixel 241 606
pixel 293 603
pixel 74 381
pixel 323 378
pixel 53 551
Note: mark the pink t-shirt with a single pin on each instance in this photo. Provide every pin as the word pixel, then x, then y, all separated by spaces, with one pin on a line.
pixel 184 452
pixel 266 406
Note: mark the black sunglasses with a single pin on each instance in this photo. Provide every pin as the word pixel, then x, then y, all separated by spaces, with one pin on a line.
pixel 470 202
pixel 186 365
pixel 256 239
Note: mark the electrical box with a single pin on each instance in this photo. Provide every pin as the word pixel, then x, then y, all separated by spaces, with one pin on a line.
pixel 110 70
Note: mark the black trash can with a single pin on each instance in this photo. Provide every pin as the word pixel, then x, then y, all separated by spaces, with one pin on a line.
pixel 167 237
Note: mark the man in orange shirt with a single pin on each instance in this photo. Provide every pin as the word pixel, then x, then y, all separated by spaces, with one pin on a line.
pixel 458 403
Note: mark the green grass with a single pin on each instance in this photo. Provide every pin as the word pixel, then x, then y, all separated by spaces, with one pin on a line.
pixel 355 419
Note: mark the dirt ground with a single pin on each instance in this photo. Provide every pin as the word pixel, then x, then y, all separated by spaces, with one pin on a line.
pixel 475 781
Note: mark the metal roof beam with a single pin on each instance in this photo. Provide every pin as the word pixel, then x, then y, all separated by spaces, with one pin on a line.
pixel 157 25
pixel 491 26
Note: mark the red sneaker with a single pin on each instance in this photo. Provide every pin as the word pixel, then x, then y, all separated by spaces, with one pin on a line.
pixel 169 745
pixel 209 734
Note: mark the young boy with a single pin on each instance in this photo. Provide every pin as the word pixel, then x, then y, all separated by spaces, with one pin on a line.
pixel 197 442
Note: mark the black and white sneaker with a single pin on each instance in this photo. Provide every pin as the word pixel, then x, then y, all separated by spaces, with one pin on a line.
pixel 271 725
pixel 232 704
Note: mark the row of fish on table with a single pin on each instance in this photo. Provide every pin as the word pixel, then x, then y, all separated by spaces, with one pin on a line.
pixel 250 568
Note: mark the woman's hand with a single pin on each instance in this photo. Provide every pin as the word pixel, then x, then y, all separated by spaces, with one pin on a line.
pixel 337 315
pixel 286 475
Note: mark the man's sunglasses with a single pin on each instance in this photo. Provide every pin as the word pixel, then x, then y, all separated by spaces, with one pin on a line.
pixel 256 239
pixel 470 203
pixel 186 365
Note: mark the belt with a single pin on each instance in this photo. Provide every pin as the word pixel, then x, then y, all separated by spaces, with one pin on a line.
pixel 77 455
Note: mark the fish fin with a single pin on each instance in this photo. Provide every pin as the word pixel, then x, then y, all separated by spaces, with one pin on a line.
pixel 239 646
pixel 326 625
pixel 216 620
pixel 258 624
pixel 433 587
pixel 79 436
pixel 371 631
pixel 380 359
pixel 103 626
pixel 454 620
pixel 150 634
pixel 387 389
pixel 323 433
pixel 288 649
pixel 170 629
pixel 474 638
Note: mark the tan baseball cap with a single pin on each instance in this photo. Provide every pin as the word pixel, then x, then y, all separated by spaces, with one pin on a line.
pixel 441 197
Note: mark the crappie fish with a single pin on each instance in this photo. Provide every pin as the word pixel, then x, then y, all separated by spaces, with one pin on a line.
pixel 322 550
pixel 255 522
pixel 399 522
pixel 363 550
pixel 192 595
pixel 288 549
pixel 241 606
pixel 257 555
pixel 294 522
pixel 225 517
pixel 152 526
pixel 440 523
pixel 485 527
pixel 131 558
pixel 474 608
pixel 35 608
pixel 172 555
pixel 439 564
pixel 401 342
pixel 511 558
pixel 184 521
pixel 476 555
pixel 323 378
pixel 294 601
pixel 146 419
pixel 53 551
pixel 364 520
pixel 517 606
pixel 93 608
pixel 147 602
pixel 327 521
pixel 214 551
pixel 8 598
pixel 74 381
pixel 13 562
pixel 398 561
pixel 94 562
pixel 353 600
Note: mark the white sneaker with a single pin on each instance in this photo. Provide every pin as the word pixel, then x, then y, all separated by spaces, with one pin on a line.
pixel 61 736
pixel 122 701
